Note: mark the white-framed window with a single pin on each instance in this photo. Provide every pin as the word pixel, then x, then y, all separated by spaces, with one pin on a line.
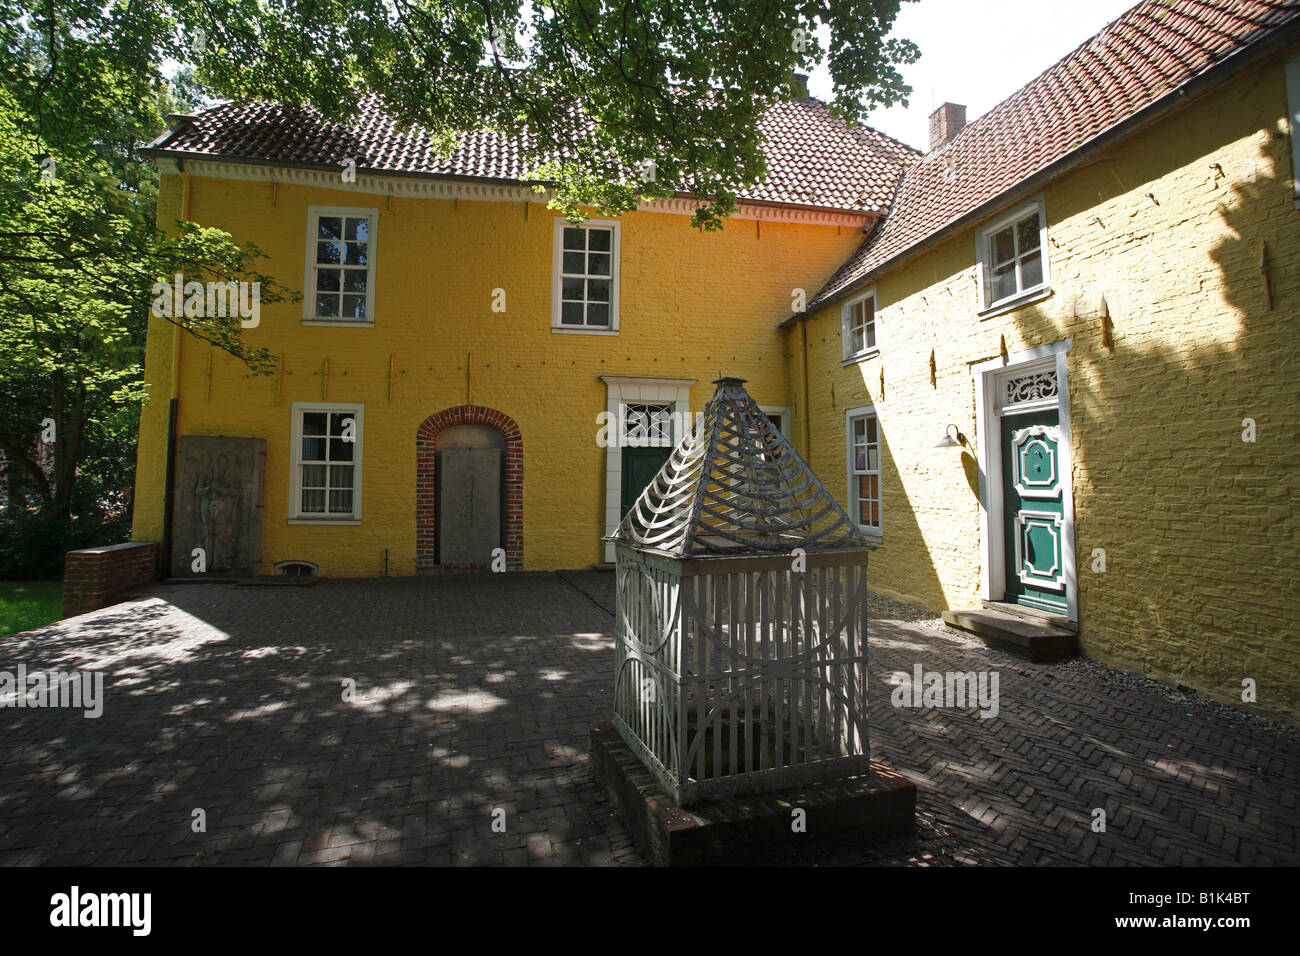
pixel 1293 119
pixel 584 295
pixel 863 444
pixel 778 415
pixel 339 288
pixel 1012 256
pixel 858 333
pixel 325 485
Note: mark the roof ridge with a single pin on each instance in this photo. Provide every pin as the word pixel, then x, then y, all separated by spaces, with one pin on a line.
pixel 1129 67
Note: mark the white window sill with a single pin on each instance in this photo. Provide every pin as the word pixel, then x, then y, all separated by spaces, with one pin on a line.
pixel 873 533
pixel 1016 301
pixel 574 330
pixel 349 324
pixel 326 521
pixel 861 357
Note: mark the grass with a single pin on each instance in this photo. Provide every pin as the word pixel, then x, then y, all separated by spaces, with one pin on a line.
pixel 25 605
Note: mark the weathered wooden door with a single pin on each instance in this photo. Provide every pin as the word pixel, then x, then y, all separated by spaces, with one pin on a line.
pixel 469 505
pixel 640 465
pixel 1034 510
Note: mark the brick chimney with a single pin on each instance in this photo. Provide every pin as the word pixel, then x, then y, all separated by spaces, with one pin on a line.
pixel 945 123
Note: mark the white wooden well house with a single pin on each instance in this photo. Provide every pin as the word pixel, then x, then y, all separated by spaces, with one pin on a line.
pixel 741 615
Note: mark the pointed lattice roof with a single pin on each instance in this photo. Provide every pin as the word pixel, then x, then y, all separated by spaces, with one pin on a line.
pixel 735 486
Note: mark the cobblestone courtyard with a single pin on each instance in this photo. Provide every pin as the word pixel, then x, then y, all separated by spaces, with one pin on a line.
pixel 476 692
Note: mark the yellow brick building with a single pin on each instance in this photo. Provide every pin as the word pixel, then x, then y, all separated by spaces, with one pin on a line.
pixel 1089 294
pixel 1147 318
pixel 465 317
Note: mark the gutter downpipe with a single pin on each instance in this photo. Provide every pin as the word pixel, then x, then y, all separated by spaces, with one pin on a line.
pixel 804 419
pixel 173 407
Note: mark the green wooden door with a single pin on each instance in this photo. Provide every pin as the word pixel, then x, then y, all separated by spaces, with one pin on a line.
pixel 1034 510
pixel 640 465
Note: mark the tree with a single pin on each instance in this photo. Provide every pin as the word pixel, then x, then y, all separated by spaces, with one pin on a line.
pixel 593 91
pixel 79 255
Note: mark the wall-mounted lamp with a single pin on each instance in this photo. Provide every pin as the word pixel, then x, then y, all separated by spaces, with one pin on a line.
pixel 949 441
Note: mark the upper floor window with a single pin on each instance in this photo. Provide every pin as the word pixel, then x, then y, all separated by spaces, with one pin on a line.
pixel 585 292
pixel 326 481
pixel 864 468
pixel 1012 255
pixel 340 282
pixel 858 317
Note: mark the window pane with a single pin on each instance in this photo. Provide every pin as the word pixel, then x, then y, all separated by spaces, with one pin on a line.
pixel 338 422
pixel 858 343
pixel 598 264
pixel 1027 232
pixel 340 476
pixel 575 263
pixel 871 429
pixel 313 423
pixel 1031 270
pixel 341 502
pixel 356 253
pixel 358 229
pixel 329 253
pixel 859 429
pixel 313 501
pixel 313 476
pixel 873 458
pixel 354 306
pixel 341 450
pixel 1003 246
pixel 327 306
pixel 598 290
pixel 598 314
pixel 1004 282
pixel 354 280
pixel 327 280
pixel 574 238
pixel 572 289
pixel 313 449
pixel 329 227
pixel 864 513
pixel 870 332
pixel 860 459
pixel 598 240
pixel 571 313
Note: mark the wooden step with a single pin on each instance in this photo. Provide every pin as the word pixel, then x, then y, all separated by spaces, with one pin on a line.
pixel 1037 641
pixel 1031 614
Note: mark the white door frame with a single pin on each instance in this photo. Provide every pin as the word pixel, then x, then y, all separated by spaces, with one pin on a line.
pixel 988 376
pixel 620 390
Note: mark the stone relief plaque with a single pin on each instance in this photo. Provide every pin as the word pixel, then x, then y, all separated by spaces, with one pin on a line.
pixel 218 506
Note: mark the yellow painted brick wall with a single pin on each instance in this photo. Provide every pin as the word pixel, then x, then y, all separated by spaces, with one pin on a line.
pixel 1198 526
pixel 692 305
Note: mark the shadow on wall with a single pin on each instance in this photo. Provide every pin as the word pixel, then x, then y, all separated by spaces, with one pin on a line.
pixel 1185 435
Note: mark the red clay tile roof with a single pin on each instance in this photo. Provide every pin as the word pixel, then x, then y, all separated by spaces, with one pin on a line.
pixel 813 159
pixel 1152 49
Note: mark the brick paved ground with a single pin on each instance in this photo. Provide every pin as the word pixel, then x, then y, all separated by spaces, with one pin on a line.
pixel 476 692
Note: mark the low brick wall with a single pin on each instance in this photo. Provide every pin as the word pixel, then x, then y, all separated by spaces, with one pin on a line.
pixel 92 576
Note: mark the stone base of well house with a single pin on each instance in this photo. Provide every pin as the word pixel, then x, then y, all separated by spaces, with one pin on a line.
pixel 92 576
pixel 751 829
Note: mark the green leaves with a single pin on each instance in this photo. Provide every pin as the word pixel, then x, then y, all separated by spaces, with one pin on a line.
pixel 590 90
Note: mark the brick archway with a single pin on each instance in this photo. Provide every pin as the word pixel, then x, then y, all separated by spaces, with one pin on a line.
pixel 426 506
